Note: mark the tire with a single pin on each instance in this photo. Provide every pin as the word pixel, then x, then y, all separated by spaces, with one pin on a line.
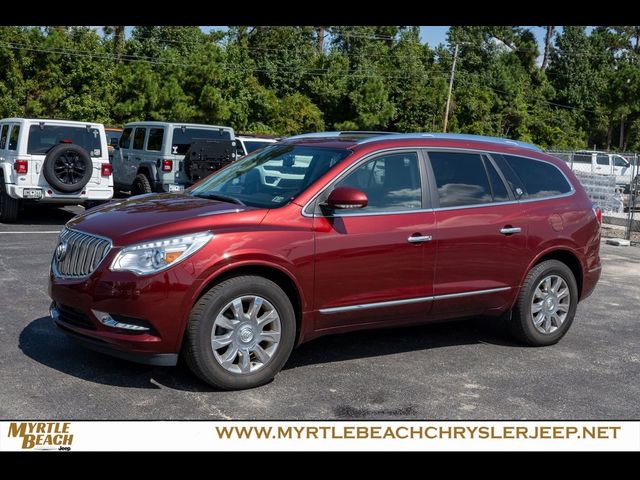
pixel 198 351
pixel 8 205
pixel 141 185
pixel 522 323
pixel 67 168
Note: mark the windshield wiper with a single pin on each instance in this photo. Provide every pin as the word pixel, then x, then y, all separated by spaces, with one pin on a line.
pixel 220 196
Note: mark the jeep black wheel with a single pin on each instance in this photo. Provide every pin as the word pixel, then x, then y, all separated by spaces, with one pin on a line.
pixel 67 167
pixel 141 185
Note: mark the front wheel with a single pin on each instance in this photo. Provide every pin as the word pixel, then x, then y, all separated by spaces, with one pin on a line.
pixel 240 333
pixel 546 305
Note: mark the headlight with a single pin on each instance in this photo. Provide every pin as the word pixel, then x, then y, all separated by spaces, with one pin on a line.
pixel 153 257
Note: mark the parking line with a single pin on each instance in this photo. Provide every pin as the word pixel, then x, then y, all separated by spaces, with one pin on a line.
pixel 34 231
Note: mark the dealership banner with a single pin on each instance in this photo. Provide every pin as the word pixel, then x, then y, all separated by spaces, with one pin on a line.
pixel 318 435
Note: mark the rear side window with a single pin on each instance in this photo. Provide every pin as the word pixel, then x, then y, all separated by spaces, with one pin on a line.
pixel 125 139
pixel 44 138
pixel 582 158
pixel 3 136
pixel 540 179
pixel 156 135
pixel 183 137
pixel 602 159
pixel 13 137
pixel 138 138
pixel 461 179
pixel 497 185
pixel 516 185
pixel 252 145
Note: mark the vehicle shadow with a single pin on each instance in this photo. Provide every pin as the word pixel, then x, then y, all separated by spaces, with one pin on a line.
pixel 44 343
pixel 45 215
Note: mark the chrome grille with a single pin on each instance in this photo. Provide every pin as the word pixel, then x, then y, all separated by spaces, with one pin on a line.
pixel 83 253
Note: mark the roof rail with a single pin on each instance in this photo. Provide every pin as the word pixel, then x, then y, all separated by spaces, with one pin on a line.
pixel 459 136
pixel 342 133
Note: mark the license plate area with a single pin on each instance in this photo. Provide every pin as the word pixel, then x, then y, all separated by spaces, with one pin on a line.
pixel 176 188
pixel 32 193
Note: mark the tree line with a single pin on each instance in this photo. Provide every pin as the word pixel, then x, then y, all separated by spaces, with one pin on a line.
pixel 284 80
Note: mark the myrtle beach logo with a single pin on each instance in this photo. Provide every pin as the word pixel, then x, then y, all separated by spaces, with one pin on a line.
pixel 42 435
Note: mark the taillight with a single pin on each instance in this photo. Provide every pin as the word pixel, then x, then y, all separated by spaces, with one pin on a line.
pixel 167 165
pixel 598 212
pixel 21 166
pixel 106 170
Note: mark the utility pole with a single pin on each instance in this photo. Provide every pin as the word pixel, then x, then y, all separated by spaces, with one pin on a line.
pixel 453 72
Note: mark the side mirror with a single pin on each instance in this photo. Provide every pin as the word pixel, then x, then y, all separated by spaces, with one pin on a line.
pixel 343 198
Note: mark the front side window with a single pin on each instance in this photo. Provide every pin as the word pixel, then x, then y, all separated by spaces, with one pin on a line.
pixel 461 179
pixel 620 162
pixel 138 138
pixel 541 179
pixel 3 136
pixel 156 135
pixel 271 177
pixel 125 139
pixel 183 137
pixel 13 137
pixel 391 183
pixel 43 138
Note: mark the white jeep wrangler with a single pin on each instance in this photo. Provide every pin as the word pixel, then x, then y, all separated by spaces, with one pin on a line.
pixel 52 161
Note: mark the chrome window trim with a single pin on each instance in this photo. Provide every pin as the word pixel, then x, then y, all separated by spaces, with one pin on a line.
pixel 391 303
pixel 55 271
pixel 435 209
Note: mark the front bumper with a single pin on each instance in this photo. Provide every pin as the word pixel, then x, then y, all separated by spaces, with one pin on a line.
pixel 160 302
pixel 97 345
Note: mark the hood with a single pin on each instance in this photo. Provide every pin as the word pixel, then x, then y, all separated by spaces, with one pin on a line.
pixel 154 215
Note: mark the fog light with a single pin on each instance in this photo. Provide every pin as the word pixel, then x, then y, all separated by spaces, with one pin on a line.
pixel 53 312
pixel 108 320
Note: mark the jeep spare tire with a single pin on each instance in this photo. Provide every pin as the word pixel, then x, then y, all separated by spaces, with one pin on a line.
pixel 67 167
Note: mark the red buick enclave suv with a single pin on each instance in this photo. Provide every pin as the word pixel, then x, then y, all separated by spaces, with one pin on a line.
pixel 328 233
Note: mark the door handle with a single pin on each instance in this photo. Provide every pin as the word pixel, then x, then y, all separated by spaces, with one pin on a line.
pixel 510 230
pixel 419 238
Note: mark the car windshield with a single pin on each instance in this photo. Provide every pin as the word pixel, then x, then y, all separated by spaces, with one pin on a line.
pixel 184 137
pixel 43 138
pixel 271 177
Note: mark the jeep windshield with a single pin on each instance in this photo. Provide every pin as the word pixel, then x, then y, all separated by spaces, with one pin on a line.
pixel 43 138
pixel 183 137
pixel 271 177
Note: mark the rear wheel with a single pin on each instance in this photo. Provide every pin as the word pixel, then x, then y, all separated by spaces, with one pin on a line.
pixel 141 185
pixel 546 305
pixel 240 333
pixel 8 205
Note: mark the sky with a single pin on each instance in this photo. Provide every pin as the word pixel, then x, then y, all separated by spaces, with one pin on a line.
pixel 432 34
pixel 435 34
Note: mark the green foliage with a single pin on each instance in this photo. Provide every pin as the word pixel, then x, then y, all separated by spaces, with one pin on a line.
pixel 286 80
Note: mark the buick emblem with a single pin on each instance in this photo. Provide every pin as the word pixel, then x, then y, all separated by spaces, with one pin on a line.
pixel 61 251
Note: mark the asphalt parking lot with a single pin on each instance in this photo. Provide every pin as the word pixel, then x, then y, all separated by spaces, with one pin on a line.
pixel 462 370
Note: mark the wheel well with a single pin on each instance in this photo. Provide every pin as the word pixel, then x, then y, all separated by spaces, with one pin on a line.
pixel 273 274
pixel 144 170
pixel 570 260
